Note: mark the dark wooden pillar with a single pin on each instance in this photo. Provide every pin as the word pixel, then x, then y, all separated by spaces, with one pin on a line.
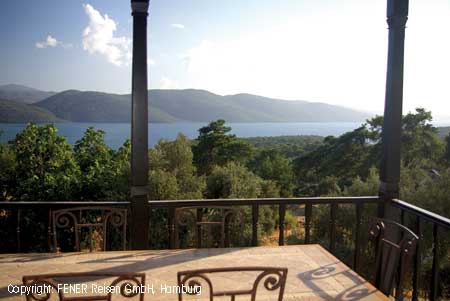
pixel 140 215
pixel 397 15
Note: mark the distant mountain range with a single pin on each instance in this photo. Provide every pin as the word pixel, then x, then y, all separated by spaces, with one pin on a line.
pixel 23 104
pixel 23 93
pixel 17 112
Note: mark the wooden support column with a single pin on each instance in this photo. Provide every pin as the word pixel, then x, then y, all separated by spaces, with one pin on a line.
pixel 397 15
pixel 140 213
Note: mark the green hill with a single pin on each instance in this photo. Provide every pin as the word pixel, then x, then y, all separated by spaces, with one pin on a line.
pixel 81 106
pixel 192 105
pixel 278 110
pixel 200 106
pixel 16 112
pixel 22 93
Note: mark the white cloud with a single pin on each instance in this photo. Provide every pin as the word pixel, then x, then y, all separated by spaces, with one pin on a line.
pixel 98 37
pixel 167 83
pixel 151 62
pixel 51 42
pixel 291 61
pixel 320 55
pixel 177 25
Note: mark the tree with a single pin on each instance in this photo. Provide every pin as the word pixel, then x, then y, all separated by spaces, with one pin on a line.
pixel 447 149
pixel 269 164
pixel 235 181
pixel 216 147
pixel 175 158
pixel 344 157
pixel 172 175
pixel 420 139
pixel 93 157
pixel 121 170
pixel 353 154
pixel 47 169
pixel 8 165
pixel 328 186
pixel 269 189
pixel 162 185
pixel 359 187
pixel 232 181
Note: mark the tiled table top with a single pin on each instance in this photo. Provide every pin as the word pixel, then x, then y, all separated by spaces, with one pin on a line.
pixel 314 274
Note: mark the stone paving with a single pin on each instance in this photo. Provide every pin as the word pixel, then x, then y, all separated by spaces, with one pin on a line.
pixel 313 274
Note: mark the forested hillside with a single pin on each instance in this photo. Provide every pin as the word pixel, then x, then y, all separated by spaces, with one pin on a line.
pixel 187 105
pixel 18 112
pixel 22 93
pixel 193 106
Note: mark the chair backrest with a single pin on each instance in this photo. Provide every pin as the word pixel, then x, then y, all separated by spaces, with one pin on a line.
pixel 74 286
pixel 208 218
pixel 394 247
pixel 89 218
pixel 271 278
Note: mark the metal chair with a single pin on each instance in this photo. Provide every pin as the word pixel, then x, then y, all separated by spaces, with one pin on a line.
pixel 272 278
pixel 392 256
pixel 208 218
pixel 124 285
pixel 90 218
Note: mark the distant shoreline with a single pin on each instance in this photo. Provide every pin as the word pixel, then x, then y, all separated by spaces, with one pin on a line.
pixel 117 133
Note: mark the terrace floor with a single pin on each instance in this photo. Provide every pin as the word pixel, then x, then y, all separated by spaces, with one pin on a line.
pixel 314 274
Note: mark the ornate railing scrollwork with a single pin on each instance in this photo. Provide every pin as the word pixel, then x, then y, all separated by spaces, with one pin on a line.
pixel 183 216
pixel 63 219
pixel 130 285
pixel 117 218
pixel 43 294
pixel 192 284
pixel 272 279
pixel 206 218
pixel 92 219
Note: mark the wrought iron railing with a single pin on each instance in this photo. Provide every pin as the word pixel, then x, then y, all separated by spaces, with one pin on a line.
pixel 410 215
pixel 308 203
pixel 17 214
pixel 438 223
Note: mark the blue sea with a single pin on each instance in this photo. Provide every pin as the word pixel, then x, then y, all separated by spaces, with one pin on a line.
pixel 117 133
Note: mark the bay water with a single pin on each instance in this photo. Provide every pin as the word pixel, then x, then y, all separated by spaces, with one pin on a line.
pixel 117 133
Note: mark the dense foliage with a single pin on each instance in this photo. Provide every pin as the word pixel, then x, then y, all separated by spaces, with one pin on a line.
pixel 215 147
pixel 19 112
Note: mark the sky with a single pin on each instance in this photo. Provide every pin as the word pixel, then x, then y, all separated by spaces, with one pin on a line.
pixel 332 51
